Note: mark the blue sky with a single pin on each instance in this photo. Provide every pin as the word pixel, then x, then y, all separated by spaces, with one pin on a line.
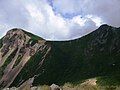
pixel 58 19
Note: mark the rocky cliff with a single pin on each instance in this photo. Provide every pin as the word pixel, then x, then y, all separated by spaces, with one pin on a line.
pixel 16 50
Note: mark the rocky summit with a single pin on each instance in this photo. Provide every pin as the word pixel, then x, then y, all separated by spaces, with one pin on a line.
pixel 27 58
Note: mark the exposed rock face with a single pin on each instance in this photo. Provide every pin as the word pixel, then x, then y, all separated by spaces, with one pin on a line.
pixel 24 56
pixel 55 87
pixel 16 42
pixel 90 82
pixel 27 85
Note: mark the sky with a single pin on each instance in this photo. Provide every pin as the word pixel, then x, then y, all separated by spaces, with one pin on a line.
pixel 58 19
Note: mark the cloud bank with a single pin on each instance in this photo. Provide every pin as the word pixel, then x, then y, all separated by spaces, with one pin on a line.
pixel 58 19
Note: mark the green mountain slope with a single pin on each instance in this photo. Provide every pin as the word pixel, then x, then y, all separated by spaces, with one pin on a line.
pixel 94 55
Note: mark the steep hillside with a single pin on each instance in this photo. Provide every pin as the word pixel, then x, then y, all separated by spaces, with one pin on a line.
pixel 17 48
pixel 24 55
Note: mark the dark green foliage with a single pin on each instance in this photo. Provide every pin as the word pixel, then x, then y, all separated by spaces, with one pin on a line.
pixel 8 60
pixel 94 55
pixel 111 80
pixel 84 58
pixel 17 61
pixel 1 43
pixel 29 70
pixel 80 59
pixel 1 69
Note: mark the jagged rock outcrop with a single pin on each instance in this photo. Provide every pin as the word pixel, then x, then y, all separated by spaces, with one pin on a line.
pixel 55 87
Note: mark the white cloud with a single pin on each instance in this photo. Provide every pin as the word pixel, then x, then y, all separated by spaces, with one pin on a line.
pixel 44 22
pixel 81 26
pixel 67 6
pixel 3 29
pixel 108 10
pixel 35 13
pixel 39 18
pixel 79 20
pixel 98 21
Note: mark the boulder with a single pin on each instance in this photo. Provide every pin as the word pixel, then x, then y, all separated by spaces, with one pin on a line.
pixel 55 87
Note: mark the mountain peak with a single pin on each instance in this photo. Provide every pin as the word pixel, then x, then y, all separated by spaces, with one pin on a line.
pixel 24 56
pixel 22 33
pixel 104 25
pixel 15 37
pixel 17 47
pixel 15 31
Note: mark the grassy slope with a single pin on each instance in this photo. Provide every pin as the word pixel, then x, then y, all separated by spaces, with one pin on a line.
pixel 0 43
pixel 68 62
